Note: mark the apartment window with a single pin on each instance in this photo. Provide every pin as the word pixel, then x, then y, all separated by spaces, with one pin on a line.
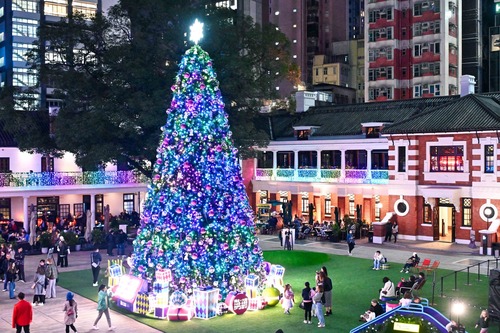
pixel 378 208
pixel 4 164
pixel 447 159
pixel 303 134
pixel 427 213
pixel 417 9
pixel 401 159
pixel 489 160
pixel 29 6
pixel 466 212
pixel 24 27
pixel 19 51
pixel 417 50
pixel 128 202
pixel 325 71
pixel 317 71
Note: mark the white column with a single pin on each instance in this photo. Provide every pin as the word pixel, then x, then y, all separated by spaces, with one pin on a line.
pixel 368 164
pixel 296 159
pixel 26 217
pixel 92 210
pixel 342 164
pixel 319 160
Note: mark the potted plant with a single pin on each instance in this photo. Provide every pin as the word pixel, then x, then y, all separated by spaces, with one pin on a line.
pixel 335 237
pixel 45 241
pixel 72 240
pixel 98 237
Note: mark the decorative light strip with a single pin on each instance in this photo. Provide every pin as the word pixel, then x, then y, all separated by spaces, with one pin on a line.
pixel 34 179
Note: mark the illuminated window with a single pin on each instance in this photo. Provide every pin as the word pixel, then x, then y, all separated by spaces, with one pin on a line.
pixel 305 204
pixel 447 159
pixel 4 164
pixel 128 202
pixel 29 6
pixel 427 213
pixel 265 160
pixel 467 212
pixel 489 160
pixel 263 196
pixel 328 206
pixel 331 159
pixel 286 159
pixel 352 207
pixel 5 210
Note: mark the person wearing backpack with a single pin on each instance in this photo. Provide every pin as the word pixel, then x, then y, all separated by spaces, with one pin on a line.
pixel 70 312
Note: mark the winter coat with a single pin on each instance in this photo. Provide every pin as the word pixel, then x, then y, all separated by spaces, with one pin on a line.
pixel 70 319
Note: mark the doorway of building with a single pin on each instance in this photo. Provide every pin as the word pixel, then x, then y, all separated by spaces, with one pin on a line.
pixel 446 223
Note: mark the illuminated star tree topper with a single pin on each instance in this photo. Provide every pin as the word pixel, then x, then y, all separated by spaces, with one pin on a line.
pixel 196 31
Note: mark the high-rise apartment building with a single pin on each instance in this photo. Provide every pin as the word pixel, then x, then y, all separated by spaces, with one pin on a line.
pixel 19 21
pixel 413 49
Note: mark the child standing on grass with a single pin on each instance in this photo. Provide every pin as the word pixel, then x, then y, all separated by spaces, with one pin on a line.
pixel 484 322
pixel 287 300
pixel 307 300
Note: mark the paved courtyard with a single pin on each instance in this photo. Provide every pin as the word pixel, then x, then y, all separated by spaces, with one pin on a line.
pixel 49 318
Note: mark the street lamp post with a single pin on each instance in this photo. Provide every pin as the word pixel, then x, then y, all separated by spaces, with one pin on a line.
pixel 458 309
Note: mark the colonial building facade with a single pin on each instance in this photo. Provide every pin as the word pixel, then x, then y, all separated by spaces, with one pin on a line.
pixel 431 164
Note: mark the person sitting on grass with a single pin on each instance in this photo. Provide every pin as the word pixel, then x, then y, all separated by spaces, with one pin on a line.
pixel 411 262
pixel 375 310
pixel 388 291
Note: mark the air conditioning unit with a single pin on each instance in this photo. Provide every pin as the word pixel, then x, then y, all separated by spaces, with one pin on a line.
pixel 425 25
pixel 425 4
pixel 425 65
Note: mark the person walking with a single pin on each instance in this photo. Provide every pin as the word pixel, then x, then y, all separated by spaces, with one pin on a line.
pixel 51 274
pixel 22 314
pixel 395 231
pixel 103 307
pixel 121 238
pixel 19 259
pixel 483 322
pixel 350 242
pixel 95 263
pixel 70 312
pixel 39 286
pixel 307 301
pixel 319 305
pixel 11 279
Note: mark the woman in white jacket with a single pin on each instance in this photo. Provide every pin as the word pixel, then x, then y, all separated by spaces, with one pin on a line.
pixel 388 291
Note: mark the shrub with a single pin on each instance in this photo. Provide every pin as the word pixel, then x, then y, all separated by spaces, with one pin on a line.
pixel 45 239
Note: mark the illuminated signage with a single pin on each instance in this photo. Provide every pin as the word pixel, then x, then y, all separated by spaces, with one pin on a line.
pixel 404 327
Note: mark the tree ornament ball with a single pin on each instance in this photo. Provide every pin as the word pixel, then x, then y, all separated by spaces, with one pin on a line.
pixel 271 295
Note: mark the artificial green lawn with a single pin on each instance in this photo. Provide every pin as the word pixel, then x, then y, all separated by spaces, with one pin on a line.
pixel 354 285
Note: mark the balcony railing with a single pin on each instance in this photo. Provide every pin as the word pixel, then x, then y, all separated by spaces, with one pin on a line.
pixel 349 176
pixel 34 179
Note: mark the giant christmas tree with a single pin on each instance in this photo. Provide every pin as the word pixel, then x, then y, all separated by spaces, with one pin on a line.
pixel 196 220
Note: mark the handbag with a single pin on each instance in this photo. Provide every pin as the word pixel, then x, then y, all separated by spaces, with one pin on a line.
pixel 301 305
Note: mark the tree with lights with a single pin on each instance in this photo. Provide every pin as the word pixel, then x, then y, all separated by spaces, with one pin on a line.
pixel 197 220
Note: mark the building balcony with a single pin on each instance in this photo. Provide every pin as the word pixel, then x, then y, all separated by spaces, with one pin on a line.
pixel 348 176
pixel 37 179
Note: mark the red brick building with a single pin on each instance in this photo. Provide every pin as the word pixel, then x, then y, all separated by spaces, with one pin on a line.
pixel 431 164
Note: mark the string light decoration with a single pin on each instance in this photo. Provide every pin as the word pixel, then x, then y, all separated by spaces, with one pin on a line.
pixel 197 221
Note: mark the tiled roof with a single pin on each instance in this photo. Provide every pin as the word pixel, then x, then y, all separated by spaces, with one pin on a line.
pixel 469 113
pixel 345 120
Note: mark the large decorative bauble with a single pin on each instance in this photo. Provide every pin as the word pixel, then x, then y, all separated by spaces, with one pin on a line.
pixel 271 295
